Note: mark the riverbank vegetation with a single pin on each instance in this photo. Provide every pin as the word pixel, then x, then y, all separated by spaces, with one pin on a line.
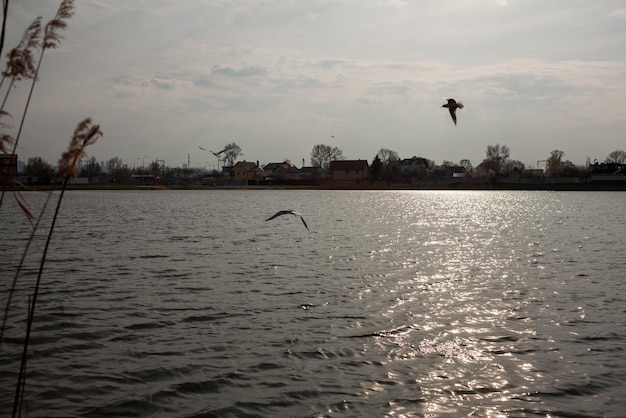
pixel 22 290
pixel 386 171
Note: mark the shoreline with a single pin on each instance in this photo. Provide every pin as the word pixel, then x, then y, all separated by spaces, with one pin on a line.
pixel 591 186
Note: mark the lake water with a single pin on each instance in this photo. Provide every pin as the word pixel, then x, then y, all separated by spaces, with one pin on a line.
pixel 395 303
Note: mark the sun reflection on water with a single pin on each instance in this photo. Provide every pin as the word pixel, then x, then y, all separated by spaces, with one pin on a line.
pixel 456 296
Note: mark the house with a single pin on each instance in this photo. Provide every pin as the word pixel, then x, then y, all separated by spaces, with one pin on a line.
pixel 348 169
pixel 8 167
pixel 314 173
pixel 247 171
pixel 281 171
pixel 611 169
pixel 414 167
pixel 447 172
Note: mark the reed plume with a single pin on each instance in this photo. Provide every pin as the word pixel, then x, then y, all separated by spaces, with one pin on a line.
pixel 20 60
pixel 51 39
pixel 84 135
pixel 21 65
pixel 6 140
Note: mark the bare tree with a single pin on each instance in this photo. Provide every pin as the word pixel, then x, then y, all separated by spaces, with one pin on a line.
pixel 390 168
pixel 554 162
pixel 91 169
pixel 117 169
pixel 511 165
pixel 322 155
pixel 498 152
pixel 231 152
pixel 466 164
pixel 496 156
pixel 386 155
pixel 617 157
pixel 40 168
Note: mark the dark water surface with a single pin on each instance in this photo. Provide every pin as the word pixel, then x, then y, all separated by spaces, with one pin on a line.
pixel 434 304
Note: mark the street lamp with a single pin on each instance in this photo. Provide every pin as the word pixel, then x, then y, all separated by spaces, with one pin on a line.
pixel 138 158
pixel 143 163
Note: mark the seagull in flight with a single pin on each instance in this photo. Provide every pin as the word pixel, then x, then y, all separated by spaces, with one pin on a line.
pixel 288 212
pixel 217 154
pixel 452 106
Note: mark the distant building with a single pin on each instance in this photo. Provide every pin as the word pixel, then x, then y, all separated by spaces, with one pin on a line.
pixel 281 171
pixel 613 169
pixel 247 171
pixel 143 179
pixel 348 169
pixel 311 173
pixel 447 172
pixel 8 167
pixel 414 167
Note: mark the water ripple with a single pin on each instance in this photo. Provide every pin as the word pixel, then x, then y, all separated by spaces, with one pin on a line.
pixel 395 304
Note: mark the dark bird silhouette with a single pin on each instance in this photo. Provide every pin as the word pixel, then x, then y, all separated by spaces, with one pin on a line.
pixel 217 154
pixel 288 212
pixel 452 106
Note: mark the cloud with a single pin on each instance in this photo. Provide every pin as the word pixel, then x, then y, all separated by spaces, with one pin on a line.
pixel 618 14
pixel 170 84
pixel 369 101
pixel 247 71
pixel 260 72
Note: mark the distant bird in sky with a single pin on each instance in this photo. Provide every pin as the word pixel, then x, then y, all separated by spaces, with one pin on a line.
pixel 452 106
pixel 288 212
pixel 332 136
pixel 217 154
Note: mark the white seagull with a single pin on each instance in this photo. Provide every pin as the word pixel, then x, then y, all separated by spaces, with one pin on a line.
pixel 452 106
pixel 288 212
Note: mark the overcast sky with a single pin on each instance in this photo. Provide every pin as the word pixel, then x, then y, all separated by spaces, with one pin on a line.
pixel 277 77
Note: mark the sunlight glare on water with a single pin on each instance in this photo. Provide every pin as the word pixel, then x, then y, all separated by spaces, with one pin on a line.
pixel 393 304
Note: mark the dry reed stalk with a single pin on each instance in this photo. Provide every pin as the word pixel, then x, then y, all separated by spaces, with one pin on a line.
pixel 21 202
pixel 85 134
pixel 20 264
pixel 5 11
pixel 51 39
pixel 21 64
pixel 20 60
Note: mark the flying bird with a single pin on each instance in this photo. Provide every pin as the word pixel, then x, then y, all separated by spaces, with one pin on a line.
pixel 217 154
pixel 452 106
pixel 288 212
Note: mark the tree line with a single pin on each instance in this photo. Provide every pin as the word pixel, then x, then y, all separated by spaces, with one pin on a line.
pixel 385 163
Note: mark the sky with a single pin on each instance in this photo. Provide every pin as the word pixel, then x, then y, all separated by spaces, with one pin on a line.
pixel 277 77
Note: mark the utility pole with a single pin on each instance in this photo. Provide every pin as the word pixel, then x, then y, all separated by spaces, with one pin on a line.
pixel 188 161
